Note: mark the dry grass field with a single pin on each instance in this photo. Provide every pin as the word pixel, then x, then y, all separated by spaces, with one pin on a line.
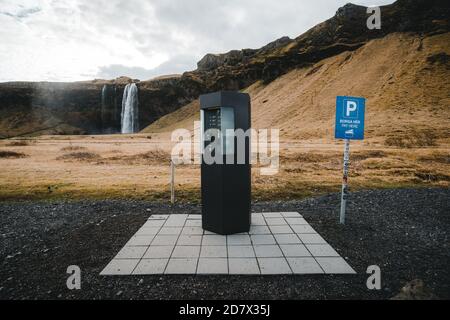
pixel 137 166
pixel 407 134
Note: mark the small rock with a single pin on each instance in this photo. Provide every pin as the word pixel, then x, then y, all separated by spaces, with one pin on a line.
pixel 119 293
pixel 415 290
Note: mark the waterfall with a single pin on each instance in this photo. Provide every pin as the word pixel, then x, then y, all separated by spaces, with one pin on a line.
pixel 130 107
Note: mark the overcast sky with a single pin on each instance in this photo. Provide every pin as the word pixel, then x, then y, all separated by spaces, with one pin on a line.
pixel 69 40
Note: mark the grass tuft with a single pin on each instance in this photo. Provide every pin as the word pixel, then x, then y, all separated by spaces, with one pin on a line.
pixel 73 148
pixel 80 156
pixel 20 143
pixel 11 154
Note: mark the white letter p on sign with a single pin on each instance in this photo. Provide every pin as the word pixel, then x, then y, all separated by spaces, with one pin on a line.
pixel 351 107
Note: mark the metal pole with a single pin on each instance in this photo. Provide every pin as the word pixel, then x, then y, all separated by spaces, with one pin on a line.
pixel 172 182
pixel 344 181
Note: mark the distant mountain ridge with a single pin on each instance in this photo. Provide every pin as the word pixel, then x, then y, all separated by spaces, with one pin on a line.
pixel 213 61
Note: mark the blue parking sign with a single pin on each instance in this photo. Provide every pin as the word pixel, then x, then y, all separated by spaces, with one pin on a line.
pixel 350 118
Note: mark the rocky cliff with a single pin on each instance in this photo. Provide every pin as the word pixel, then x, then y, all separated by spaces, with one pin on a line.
pixel 234 57
pixel 79 108
pixel 91 107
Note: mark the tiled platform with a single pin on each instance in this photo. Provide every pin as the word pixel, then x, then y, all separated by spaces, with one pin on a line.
pixel 278 243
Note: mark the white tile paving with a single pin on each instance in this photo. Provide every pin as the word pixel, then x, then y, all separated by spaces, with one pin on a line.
pixel 322 250
pixel 258 221
pixel 192 230
pixel 335 265
pixel 280 229
pixel 158 216
pixel 214 240
pixel 138 240
pixel 262 239
pixel 268 251
pixel 303 228
pixel 243 266
pixel 131 252
pixel 151 266
pixel 182 266
pixel 164 240
pixel 193 223
pixel 311 238
pixel 213 252
pixel 176 220
pixel 304 265
pixel 272 214
pixel 274 266
pixel 276 221
pixel 295 250
pixel 189 240
pixel 186 252
pixel 295 221
pixel 259 230
pixel 120 267
pixel 238 239
pixel 277 243
pixel 158 252
pixel 150 231
pixel 170 230
pixel 287 238
pixel 154 223
pixel 241 252
pixel 212 266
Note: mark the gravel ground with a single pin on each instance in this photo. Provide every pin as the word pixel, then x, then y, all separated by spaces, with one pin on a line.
pixel 405 232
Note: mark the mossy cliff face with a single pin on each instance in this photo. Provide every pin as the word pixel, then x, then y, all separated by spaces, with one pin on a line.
pixel 77 108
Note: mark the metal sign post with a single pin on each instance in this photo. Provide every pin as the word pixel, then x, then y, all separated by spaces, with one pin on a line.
pixel 172 182
pixel 350 113
pixel 344 181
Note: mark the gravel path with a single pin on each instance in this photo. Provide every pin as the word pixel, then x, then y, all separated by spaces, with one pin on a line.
pixel 405 232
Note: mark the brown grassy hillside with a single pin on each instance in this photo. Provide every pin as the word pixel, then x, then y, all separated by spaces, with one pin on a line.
pixel 404 77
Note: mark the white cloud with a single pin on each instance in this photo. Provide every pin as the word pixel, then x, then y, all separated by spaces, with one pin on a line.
pixel 66 40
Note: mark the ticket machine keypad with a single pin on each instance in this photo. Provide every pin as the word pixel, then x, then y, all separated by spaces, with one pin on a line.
pixel 212 118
